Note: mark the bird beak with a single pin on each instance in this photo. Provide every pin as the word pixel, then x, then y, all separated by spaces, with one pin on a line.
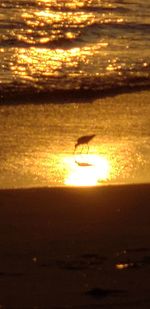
pixel 75 148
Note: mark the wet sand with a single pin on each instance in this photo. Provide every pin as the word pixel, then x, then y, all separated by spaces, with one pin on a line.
pixel 75 247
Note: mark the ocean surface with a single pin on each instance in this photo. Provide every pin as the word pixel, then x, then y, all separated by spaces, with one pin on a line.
pixel 48 46
pixel 61 64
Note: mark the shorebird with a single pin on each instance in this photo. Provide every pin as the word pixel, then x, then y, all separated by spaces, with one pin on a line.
pixel 83 140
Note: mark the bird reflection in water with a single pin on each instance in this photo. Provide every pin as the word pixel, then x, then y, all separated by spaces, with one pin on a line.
pixel 87 170
pixel 83 163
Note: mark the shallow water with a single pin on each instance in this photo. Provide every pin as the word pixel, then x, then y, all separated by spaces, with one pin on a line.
pixel 37 142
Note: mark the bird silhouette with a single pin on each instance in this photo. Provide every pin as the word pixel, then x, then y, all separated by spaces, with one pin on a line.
pixel 83 140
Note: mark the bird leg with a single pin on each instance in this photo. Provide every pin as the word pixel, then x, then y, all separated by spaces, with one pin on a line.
pixel 84 149
pixel 74 150
pixel 87 148
pixel 81 149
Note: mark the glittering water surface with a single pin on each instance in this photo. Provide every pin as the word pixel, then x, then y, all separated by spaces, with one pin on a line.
pixel 37 143
pixel 72 45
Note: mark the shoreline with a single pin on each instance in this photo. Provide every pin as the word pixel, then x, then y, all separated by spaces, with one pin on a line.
pixel 52 188
pixel 75 247
pixel 28 96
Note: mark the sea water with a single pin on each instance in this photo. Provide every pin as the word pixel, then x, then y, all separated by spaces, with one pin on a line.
pixel 61 65
pixel 37 143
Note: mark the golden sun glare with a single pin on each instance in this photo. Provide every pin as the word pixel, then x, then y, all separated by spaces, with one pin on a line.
pixel 87 170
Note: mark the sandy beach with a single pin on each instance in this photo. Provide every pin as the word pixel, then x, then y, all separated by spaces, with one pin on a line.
pixel 75 247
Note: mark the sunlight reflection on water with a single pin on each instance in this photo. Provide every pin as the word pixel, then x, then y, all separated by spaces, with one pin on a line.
pixel 37 143
pixel 87 170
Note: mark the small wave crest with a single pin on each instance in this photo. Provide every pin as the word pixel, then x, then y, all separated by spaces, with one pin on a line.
pixel 64 43
pixel 19 4
pixel 80 36
pixel 17 93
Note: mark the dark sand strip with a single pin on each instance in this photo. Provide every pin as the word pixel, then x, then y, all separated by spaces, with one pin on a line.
pixel 75 247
